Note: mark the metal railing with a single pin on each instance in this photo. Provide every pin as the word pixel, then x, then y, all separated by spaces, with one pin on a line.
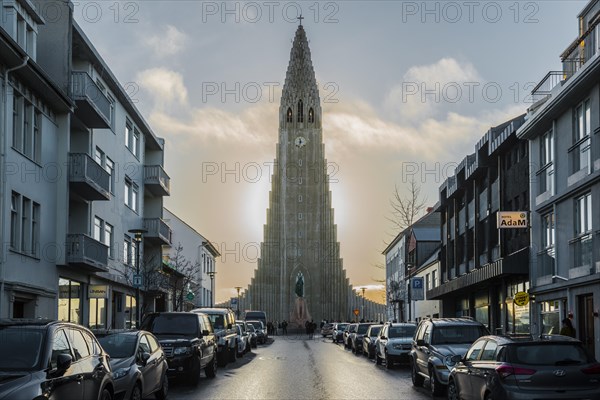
pixel 83 168
pixel 83 249
pixel 83 87
pixel 155 174
pixel 544 88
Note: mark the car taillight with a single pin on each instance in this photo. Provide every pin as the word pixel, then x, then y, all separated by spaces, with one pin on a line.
pixel 593 370
pixel 504 371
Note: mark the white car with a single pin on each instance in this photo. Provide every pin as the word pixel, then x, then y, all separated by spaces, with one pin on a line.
pixel 241 340
pixel 394 343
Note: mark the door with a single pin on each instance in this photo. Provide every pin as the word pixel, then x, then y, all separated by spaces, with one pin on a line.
pixel 151 369
pixel 585 331
pixel 68 383
pixel 467 374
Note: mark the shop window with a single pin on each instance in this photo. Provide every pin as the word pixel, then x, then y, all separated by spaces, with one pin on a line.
pixel 69 301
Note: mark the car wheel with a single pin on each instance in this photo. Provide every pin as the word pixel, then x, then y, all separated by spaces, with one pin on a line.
pixel 417 379
pixel 163 392
pixel 436 388
pixel 136 393
pixel 232 354
pixel 370 354
pixel 452 390
pixel 106 395
pixel 211 369
pixel 388 361
pixel 194 375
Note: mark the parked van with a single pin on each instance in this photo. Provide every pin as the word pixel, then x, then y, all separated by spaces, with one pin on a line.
pixel 257 316
pixel 223 321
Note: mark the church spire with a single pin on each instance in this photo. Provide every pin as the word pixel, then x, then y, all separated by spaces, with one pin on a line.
pixel 300 83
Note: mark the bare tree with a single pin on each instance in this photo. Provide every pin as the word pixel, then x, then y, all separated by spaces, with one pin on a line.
pixel 184 279
pixel 405 210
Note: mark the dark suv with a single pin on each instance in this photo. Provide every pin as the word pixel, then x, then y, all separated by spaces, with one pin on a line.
pixel 52 359
pixel 188 341
pixel 435 342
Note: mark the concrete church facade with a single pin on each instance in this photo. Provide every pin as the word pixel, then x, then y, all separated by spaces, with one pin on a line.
pixel 300 274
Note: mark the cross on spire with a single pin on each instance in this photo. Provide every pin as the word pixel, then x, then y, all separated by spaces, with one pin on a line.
pixel 300 18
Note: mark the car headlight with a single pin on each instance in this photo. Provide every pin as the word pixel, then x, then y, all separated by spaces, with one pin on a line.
pixel 121 372
pixel 178 351
pixel 448 361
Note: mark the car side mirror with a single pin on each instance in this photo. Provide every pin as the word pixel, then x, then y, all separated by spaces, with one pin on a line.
pixel 383 337
pixel 421 342
pixel 229 326
pixel 456 358
pixel 145 357
pixel 63 362
pixel 205 332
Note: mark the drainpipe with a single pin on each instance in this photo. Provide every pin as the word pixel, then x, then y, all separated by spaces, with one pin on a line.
pixel 3 146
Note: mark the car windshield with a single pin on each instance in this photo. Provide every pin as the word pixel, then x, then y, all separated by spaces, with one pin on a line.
pixel 375 331
pixel 119 345
pixel 550 354
pixel 459 334
pixel 217 320
pixel 173 324
pixel 362 329
pixel 341 327
pixel 402 331
pixel 257 324
pixel 20 348
pixel 250 328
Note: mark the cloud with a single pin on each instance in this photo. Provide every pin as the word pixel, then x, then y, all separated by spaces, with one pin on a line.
pixel 166 43
pixel 426 89
pixel 165 87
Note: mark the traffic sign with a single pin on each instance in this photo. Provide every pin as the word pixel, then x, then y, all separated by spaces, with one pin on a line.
pixel 233 301
pixel 137 280
pixel 190 296
pixel 416 286
pixel 356 311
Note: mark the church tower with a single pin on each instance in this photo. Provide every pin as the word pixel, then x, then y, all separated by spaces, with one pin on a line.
pixel 300 274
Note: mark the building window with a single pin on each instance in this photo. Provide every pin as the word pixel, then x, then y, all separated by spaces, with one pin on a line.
pixel 289 117
pixel 434 281
pixel 135 145
pixel 131 194
pixel 26 128
pixel 69 301
pixel 98 313
pixel 132 138
pixel 130 312
pixel 579 153
pixel 108 239
pixel 110 168
pixel 546 172
pixel 98 229
pixel 311 116
pixel 25 225
pixel 547 257
pixel 581 245
pixel 300 111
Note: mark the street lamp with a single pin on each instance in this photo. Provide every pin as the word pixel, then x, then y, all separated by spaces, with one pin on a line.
pixel 238 288
pixel 212 274
pixel 363 306
pixel 137 281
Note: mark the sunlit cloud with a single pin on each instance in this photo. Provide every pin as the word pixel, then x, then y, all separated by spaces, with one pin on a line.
pixel 166 42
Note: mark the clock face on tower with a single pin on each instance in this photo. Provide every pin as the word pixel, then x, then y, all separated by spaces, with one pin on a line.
pixel 300 141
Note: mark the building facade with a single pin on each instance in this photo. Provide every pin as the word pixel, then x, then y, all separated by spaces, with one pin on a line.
pixel 563 129
pixel 300 274
pixel 429 271
pixel 84 210
pixel 483 267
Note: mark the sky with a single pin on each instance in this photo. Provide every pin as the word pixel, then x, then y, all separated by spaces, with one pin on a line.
pixel 407 89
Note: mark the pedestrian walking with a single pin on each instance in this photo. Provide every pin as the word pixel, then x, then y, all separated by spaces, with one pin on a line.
pixel 567 328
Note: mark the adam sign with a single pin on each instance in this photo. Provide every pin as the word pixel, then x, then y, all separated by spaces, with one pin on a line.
pixel 512 219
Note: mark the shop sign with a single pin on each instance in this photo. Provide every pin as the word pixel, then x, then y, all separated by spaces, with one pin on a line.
pixel 521 299
pixel 98 291
pixel 512 219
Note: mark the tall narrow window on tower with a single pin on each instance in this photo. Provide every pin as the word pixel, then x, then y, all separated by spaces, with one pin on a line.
pixel 289 115
pixel 300 111
pixel 311 116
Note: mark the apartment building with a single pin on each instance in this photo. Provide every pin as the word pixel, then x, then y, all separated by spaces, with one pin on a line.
pixel 563 129
pixel 86 201
pixel 484 267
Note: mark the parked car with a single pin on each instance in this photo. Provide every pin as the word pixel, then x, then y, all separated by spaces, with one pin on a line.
pixel 499 367
pixel 261 332
pixel 369 339
pixel 52 360
pixel 245 335
pixel 393 344
pixel 434 344
pixel 252 335
pixel 327 330
pixel 356 338
pixel 138 363
pixel 258 316
pixel 350 329
pixel 188 341
pixel 223 322
pixel 338 332
pixel 241 341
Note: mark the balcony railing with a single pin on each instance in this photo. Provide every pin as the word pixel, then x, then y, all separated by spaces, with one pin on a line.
pixel 544 88
pixel 579 155
pixel 93 107
pixel 156 180
pixel 547 262
pixel 582 256
pixel 580 52
pixel 85 251
pixel 88 178
pixel 158 231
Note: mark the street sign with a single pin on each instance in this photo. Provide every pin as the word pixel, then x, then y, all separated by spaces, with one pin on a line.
pixel 137 280
pixel 417 291
pixel 233 301
pixel 190 296
pixel 512 219
pixel 356 311
pixel 521 298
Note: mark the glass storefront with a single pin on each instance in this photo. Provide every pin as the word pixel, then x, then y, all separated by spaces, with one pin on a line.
pixel 98 314
pixel 69 301
pixel 130 312
pixel 550 311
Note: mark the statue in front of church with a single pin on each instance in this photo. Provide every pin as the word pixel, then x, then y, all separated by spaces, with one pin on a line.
pixel 300 285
